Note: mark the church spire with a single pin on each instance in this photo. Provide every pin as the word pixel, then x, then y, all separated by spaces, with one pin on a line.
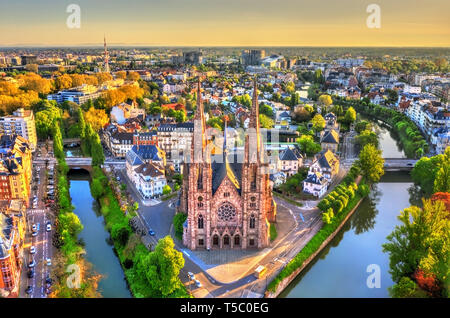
pixel 253 139
pixel 199 137
pixel 254 114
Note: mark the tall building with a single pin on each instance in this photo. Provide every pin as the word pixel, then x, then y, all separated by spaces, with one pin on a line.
pixel 194 57
pixel 105 57
pixel 28 59
pixel 227 198
pixel 21 123
pixel 15 168
pixel 252 57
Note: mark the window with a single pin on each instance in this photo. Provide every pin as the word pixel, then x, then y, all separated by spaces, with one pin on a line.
pixel 237 240
pixel 200 221
pixel 252 221
pixel 216 240
pixel 253 205
pixel 251 242
pixel 226 194
pixel 226 240
pixel 226 212
pixel 200 242
pixel 200 205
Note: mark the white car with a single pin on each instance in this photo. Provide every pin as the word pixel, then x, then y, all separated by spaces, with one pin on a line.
pixel 197 283
pixel 48 261
pixel 191 275
pixel 34 227
pixel 49 227
pixel 32 250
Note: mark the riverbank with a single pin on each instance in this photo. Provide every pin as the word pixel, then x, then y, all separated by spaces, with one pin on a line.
pixel 319 241
pixel 67 227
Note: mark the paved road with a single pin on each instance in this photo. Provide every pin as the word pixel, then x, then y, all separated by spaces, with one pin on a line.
pixel 38 215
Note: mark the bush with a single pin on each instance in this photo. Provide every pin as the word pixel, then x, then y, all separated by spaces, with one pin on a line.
pixel 178 221
pixel 273 232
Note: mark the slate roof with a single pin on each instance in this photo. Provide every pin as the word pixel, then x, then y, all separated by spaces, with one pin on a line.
pixel 288 155
pixel 150 169
pixel 231 168
pixel 140 154
pixel 327 159
pixel 331 137
pixel 315 178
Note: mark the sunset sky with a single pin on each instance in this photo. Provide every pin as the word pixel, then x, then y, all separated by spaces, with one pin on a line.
pixel 226 23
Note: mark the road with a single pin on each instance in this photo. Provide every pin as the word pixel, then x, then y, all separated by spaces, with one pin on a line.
pixel 38 215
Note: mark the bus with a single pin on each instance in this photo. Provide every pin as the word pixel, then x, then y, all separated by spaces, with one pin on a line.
pixel 260 271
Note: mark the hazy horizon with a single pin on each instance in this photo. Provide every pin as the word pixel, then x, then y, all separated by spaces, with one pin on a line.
pixel 232 23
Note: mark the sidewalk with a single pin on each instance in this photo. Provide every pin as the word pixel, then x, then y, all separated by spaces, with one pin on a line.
pixel 229 266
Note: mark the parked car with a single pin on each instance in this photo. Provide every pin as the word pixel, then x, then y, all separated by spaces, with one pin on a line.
pixel 197 283
pixel 151 232
pixel 32 250
pixel 48 261
pixel 49 227
pixel 191 275
pixel 29 290
pixel 34 227
pixel 31 273
pixel 31 264
pixel 34 234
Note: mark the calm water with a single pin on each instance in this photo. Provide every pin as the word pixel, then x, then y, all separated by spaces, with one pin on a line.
pixel 73 151
pixel 99 251
pixel 340 269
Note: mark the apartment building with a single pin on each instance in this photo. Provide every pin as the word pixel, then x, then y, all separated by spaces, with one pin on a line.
pixel 15 168
pixel 20 123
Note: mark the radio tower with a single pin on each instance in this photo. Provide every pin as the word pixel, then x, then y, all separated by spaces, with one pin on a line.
pixel 105 57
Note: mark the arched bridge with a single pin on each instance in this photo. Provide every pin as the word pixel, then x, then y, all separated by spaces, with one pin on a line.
pixel 391 164
pixel 399 164
pixel 69 141
pixel 86 162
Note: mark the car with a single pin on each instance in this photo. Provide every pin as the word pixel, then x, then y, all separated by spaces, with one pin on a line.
pixel 409 164
pixel 118 178
pixel 48 261
pixel 197 283
pixel 48 290
pixel 32 250
pixel 34 234
pixel 29 290
pixel 48 281
pixel 151 232
pixel 191 275
pixel 31 264
pixel 34 227
pixel 30 273
pixel 49 227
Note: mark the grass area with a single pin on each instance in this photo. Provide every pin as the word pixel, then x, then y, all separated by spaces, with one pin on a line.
pixel 169 196
pixel 273 232
pixel 313 245
pixel 279 195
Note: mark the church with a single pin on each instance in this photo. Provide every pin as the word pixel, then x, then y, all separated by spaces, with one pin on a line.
pixel 227 197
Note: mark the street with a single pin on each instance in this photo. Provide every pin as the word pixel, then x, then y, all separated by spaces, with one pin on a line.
pixel 38 215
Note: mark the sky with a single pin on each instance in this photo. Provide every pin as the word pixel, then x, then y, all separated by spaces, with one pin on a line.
pixel 226 23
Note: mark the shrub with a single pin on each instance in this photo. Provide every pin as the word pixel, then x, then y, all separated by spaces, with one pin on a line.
pixel 178 221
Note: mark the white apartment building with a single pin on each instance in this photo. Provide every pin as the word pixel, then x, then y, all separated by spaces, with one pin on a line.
pixel 21 123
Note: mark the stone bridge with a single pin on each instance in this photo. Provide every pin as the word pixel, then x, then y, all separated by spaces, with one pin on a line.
pixel 69 141
pixel 86 162
pixel 391 164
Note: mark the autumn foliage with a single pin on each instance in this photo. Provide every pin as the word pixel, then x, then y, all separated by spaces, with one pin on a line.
pixel 427 282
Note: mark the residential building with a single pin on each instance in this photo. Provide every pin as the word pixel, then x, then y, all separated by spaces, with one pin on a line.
pixel 21 123
pixel 326 163
pixel 315 184
pixel 78 95
pixel 290 161
pixel 120 113
pixel 330 140
pixel 12 233
pixel 175 140
pixel 15 168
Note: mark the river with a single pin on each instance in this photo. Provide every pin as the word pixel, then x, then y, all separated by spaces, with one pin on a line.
pixel 99 249
pixel 340 270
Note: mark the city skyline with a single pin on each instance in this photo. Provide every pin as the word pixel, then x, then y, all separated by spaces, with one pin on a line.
pixel 234 23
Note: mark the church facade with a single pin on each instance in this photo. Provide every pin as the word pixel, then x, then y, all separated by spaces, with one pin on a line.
pixel 227 197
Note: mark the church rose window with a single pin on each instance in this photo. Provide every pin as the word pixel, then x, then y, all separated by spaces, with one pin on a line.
pixel 226 212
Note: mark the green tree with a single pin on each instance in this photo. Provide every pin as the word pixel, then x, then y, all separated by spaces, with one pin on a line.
pixel 367 137
pixel 162 267
pixel 167 189
pixel 308 146
pixel 371 163
pixel 318 123
pixel 265 121
pixel 350 115
pixel 422 241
